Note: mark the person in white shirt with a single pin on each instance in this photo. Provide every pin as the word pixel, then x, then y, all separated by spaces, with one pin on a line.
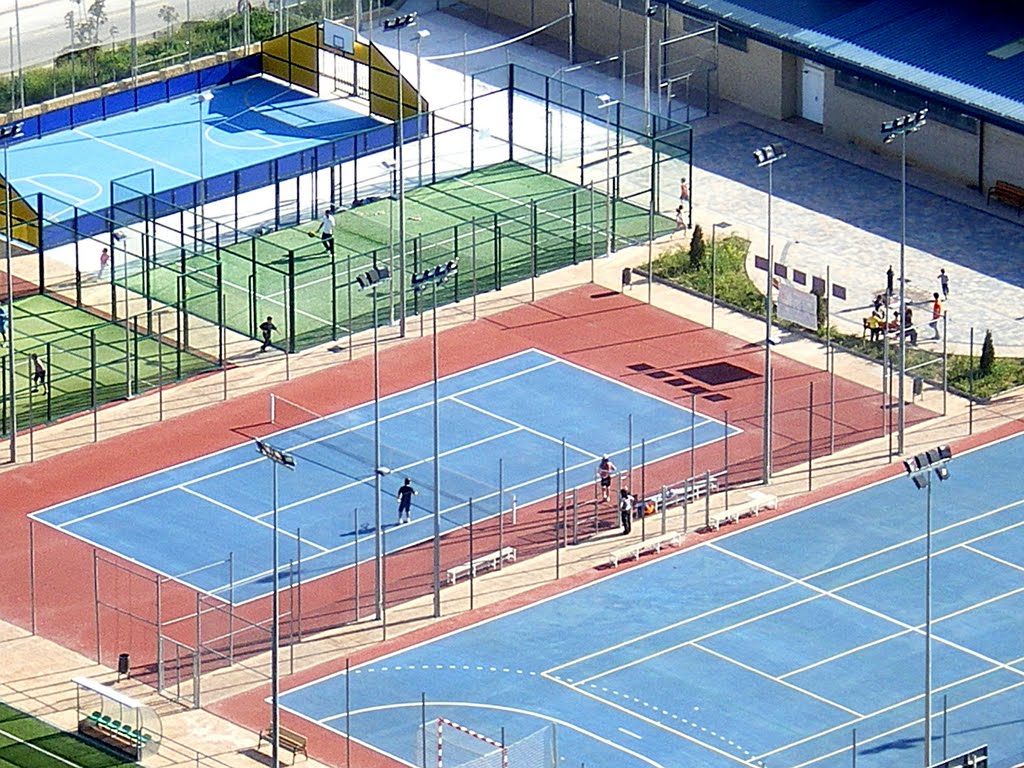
pixel 326 230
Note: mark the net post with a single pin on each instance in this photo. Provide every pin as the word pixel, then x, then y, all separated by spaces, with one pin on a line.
pixel 159 634
pixel 355 557
pixel 707 496
pixel 197 665
pixel 643 488
pixel 96 600
pixel 693 431
pixel 32 575
pixel 92 387
pixel 231 607
pixel 726 450
pixel 558 540
pixel 298 583
pixel 533 250
pixel 472 570
pixel 810 437
pixel 501 510
pixel 160 365
pixel 273 408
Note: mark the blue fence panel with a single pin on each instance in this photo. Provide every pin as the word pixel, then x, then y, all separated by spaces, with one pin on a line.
pixel 183 84
pixel 287 166
pixel 30 128
pixel 58 120
pixel 254 177
pixel 153 93
pixel 220 186
pixel 87 112
pixel 118 103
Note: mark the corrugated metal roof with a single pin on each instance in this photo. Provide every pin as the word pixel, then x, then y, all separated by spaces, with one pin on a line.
pixel 942 47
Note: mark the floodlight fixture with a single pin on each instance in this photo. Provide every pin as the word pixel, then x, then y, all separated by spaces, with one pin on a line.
pixel 12 131
pixel 400 22
pixel 769 154
pixel 901 126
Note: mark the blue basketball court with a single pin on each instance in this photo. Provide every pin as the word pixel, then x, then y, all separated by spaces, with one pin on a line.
pixel 780 645
pixel 245 123
pixel 185 521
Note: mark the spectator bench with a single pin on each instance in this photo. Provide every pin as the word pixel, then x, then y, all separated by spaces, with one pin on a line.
pixel 637 548
pixel 1008 193
pixel 113 732
pixel 292 741
pixel 485 563
pixel 756 501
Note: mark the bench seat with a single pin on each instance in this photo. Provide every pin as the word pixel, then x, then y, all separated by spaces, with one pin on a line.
pixel 755 503
pixel 291 740
pixel 1007 193
pixel 634 550
pixel 486 562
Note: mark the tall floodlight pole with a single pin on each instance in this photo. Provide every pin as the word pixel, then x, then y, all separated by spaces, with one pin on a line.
pixel 767 157
pixel 21 70
pixel 919 468
pixel 397 24
pixel 433 278
pixel 392 168
pixel 606 102
pixel 891 129
pixel 421 35
pixel 7 133
pixel 204 98
pixel 277 458
pixel 648 14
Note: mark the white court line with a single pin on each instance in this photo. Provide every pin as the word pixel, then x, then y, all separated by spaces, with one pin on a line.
pixel 256 520
pixel 774 679
pixel 139 155
pixel 522 427
pixel 848 652
pixel 39 749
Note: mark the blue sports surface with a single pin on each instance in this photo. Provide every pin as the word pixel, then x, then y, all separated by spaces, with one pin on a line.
pixel 530 412
pixel 245 123
pixel 780 645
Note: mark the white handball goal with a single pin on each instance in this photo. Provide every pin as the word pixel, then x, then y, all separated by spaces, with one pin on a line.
pixel 443 743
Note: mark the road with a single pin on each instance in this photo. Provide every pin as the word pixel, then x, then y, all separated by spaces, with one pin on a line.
pixel 44 31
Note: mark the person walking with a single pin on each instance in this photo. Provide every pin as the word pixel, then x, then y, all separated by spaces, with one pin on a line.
pixel 405 494
pixel 38 373
pixel 326 230
pixel 889 276
pixel 604 473
pixel 3 324
pixel 944 284
pixel 267 327
pixel 684 192
pixel 104 261
pixel 680 220
pixel 936 316
pixel 626 511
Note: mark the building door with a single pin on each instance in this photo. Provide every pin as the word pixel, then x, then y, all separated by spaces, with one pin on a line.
pixel 812 93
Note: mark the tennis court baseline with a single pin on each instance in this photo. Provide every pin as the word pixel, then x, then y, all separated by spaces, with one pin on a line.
pixel 517 410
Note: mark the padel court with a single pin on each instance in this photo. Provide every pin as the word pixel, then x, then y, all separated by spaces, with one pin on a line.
pixel 779 645
pixel 182 141
pixel 507 432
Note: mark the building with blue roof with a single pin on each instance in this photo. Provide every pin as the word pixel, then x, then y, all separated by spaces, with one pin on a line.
pixel 846 65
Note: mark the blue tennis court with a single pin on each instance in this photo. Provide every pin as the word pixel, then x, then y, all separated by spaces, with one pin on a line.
pixel 765 647
pixel 181 521
pixel 247 122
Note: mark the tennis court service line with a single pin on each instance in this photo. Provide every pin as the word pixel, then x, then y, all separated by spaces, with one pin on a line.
pixel 133 153
pixel 255 519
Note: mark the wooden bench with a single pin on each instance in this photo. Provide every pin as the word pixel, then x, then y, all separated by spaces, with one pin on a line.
pixel 487 562
pixel 289 739
pixel 1008 193
pixel 756 501
pixel 653 544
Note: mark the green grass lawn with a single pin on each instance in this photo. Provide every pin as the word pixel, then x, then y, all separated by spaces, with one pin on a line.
pixel 570 226
pixel 62 336
pixel 26 742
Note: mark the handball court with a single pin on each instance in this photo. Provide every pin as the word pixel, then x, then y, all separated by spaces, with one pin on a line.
pixel 602 331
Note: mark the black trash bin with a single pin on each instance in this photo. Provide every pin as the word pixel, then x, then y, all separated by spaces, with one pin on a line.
pixel 122 665
pixel 627 277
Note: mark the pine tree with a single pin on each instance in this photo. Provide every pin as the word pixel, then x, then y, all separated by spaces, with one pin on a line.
pixel 696 249
pixel 988 355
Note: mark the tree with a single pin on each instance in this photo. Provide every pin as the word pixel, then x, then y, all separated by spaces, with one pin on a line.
pixel 169 15
pixel 988 355
pixel 696 249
